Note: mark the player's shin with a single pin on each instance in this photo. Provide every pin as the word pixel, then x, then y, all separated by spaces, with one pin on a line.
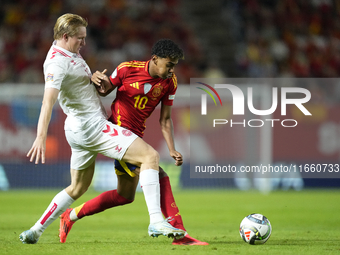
pixel 98 204
pixel 58 205
pixel 168 204
pixel 149 181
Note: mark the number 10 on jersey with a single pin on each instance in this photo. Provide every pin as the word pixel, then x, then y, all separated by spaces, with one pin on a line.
pixel 140 102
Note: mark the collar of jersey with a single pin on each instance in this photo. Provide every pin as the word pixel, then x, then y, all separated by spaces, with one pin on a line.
pixel 71 54
pixel 146 69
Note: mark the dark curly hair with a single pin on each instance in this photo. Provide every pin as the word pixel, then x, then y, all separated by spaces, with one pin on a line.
pixel 166 48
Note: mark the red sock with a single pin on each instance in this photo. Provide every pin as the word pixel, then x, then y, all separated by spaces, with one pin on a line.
pixel 168 205
pixel 100 203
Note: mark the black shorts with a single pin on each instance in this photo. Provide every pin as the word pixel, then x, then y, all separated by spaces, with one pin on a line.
pixel 122 167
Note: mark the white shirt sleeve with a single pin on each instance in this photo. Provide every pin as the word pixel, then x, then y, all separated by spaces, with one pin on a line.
pixel 54 73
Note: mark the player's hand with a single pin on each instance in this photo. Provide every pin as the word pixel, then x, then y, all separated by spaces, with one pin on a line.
pixel 37 151
pixel 101 81
pixel 177 157
pixel 98 77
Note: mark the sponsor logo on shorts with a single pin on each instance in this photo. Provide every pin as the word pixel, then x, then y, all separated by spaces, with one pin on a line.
pixel 108 130
pixel 117 148
pixel 127 132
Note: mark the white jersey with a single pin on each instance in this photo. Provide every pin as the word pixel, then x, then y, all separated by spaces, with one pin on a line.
pixel 69 73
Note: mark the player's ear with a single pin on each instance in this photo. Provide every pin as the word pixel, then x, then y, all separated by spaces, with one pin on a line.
pixel 65 36
pixel 155 59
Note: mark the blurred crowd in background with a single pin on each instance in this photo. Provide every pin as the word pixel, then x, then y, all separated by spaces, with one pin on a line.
pixel 272 38
pixel 118 31
pixel 289 38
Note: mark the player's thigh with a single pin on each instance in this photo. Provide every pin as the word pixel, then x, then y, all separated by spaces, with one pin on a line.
pixel 80 181
pixel 81 156
pixel 127 186
pixel 140 152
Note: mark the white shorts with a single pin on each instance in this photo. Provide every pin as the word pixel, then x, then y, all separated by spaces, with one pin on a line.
pixel 105 138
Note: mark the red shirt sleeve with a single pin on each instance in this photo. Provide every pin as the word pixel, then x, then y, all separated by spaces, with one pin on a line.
pixel 119 74
pixel 169 97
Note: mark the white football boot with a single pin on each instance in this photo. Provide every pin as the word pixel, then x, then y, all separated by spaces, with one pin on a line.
pixel 165 229
pixel 29 237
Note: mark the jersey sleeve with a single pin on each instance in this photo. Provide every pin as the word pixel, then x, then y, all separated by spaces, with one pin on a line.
pixel 169 97
pixel 54 74
pixel 119 74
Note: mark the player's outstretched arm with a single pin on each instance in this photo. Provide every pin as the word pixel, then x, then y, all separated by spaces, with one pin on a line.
pixel 102 83
pixel 38 148
pixel 168 133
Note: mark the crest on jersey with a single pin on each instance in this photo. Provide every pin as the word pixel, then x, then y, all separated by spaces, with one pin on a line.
pixel 147 87
pixel 157 90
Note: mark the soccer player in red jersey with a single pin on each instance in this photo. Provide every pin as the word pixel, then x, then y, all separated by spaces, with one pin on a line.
pixel 141 86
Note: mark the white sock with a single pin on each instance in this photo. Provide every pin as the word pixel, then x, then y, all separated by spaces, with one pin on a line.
pixel 58 205
pixel 73 215
pixel 149 180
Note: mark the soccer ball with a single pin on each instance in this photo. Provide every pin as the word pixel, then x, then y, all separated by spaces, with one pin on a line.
pixel 255 229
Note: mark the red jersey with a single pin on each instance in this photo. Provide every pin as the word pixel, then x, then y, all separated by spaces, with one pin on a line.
pixel 138 94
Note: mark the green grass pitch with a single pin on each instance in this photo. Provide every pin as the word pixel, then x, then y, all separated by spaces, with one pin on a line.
pixel 305 222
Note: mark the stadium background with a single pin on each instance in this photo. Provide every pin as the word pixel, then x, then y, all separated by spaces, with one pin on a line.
pixel 255 38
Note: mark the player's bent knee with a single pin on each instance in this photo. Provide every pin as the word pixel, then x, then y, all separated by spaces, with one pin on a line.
pixel 152 156
pixel 76 191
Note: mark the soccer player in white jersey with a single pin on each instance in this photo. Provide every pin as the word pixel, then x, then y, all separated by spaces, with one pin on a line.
pixel 67 78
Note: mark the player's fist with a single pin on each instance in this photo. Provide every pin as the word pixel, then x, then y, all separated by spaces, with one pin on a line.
pixel 177 157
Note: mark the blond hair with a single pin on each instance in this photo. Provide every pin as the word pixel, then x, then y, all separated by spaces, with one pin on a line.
pixel 68 24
